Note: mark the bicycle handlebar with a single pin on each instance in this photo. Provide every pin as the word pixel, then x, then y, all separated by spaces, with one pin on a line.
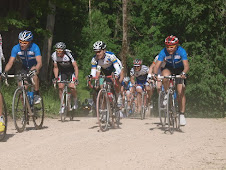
pixel 19 75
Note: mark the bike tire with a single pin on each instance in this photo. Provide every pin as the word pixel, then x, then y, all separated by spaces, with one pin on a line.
pixel 170 110
pixel 19 110
pixel 64 101
pixel 4 113
pixel 103 110
pixel 69 107
pixel 38 117
pixel 162 109
pixel 143 109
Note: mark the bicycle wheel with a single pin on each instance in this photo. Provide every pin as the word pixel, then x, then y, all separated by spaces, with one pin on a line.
pixel 19 110
pixel 170 112
pixel 38 117
pixel 143 110
pixel 69 106
pixel 103 110
pixel 63 114
pixel 4 114
pixel 162 108
pixel 116 113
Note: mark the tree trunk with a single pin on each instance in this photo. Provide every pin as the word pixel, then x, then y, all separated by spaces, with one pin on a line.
pixel 125 50
pixel 46 52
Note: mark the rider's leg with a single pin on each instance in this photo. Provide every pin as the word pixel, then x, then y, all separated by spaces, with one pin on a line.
pixel 60 88
pixel 149 90
pixel 165 82
pixel 139 93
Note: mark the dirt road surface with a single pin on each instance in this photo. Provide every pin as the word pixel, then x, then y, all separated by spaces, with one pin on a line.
pixel 139 144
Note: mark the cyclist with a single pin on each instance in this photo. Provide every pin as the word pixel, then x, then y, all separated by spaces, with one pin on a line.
pixel 140 72
pixel 127 88
pixel 65 68
pixel 106 62
pixel 176 63
pixel 150 73
pixel 30 55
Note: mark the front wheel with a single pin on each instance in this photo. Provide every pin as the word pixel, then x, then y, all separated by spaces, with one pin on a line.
pixel 63 107
pixel 103 110
pixel 38 117
pixel 19 110
pixel 143 103
pixel 162 108
pixel 170 112
pixel 4 114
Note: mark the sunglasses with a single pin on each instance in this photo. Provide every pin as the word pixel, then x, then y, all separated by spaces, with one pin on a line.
pixel 59 50
pixel 136 66
pixel 24 42
pixel 171 46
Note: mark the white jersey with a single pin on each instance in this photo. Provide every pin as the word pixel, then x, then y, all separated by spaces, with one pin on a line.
pixel 106 64
pixel 140 75
pixel 64 63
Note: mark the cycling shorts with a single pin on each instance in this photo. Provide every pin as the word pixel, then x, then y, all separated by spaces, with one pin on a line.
pixel 176 71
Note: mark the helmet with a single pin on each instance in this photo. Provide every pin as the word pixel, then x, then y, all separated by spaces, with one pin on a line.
pixel 171 40
pixel 126 79
pixel 99 45
pixel 137 62
pixel 60 45
pixel 26 36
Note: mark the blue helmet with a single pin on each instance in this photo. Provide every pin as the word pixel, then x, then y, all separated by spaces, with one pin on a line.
pixel 26 36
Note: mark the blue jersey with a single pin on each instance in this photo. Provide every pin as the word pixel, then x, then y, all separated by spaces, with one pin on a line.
pixel 27 56
pixel 127 86
pixel 175 60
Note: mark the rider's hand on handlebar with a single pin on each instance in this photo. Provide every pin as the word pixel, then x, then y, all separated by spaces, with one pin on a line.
pixel 89 77
pixel 4 75
pixel 183 75
pixel 76 82
pixel 32 73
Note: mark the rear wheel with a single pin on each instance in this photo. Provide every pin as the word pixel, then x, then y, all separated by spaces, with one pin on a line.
pixel 4 114
pixel 38 117
pixel 19 110
pixel 103 110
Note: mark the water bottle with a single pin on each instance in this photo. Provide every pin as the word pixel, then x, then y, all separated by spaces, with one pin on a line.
pixel 30 95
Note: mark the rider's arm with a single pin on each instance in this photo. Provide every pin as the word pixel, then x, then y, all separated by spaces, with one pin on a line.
pixel 55 70
pixel 117 68
pixel 9 64
pixel 75 69
pixel 186 66
pixel 157 65
pixel 39 62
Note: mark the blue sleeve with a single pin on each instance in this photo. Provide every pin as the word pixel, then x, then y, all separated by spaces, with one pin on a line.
pixel 162 55
pixel 184 54
pixel 37 51
pixel 14 51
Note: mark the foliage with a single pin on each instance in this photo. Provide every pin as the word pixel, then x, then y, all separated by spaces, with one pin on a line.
pixel 200 26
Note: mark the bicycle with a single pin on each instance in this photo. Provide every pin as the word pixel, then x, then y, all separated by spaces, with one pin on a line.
pixel 106 105
pixel 66 101
pixel 23 106
pixel 4 114
pixel 167 105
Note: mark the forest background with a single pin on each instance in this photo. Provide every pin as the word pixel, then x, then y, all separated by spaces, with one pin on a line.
pixel 131 29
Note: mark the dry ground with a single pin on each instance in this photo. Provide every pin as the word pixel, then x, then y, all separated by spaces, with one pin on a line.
pixel 139 144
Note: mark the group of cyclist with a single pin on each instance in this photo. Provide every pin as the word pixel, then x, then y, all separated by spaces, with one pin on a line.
pixel 171 60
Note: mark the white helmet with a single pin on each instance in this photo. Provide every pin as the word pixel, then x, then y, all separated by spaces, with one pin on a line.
pixel 26 36
pixel 126 79
pixel 60 45
pixel 99 45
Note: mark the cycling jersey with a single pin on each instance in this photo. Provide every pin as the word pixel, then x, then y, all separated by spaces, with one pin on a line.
pixel 64 63
pixel 127 86
pixel 175 60
pixel 141 76
pixel 27 56
pixel 106 65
